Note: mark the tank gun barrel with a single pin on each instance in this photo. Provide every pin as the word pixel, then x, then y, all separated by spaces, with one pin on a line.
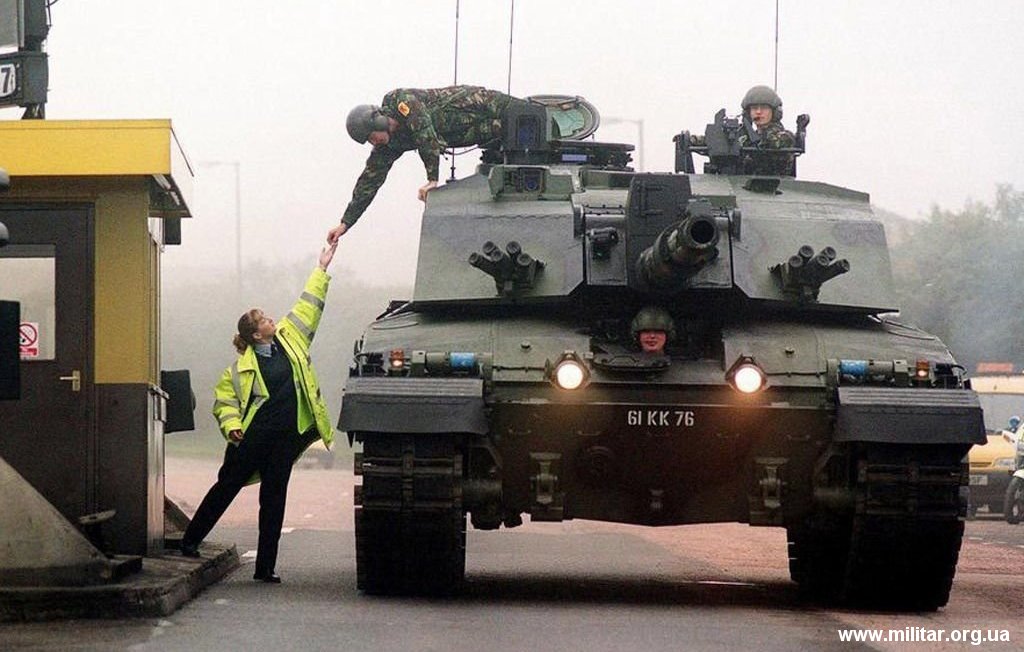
pixel 679 251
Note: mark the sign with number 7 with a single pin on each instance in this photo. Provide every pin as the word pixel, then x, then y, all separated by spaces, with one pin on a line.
pixel 8 79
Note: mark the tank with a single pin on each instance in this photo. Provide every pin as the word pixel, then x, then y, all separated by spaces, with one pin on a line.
pixel 790 394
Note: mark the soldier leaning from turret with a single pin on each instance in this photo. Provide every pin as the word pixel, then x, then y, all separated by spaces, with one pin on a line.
pixel 762 108
pixel 425 120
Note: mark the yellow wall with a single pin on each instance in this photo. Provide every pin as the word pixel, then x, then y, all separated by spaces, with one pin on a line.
pixel 67 148
pixel 125 323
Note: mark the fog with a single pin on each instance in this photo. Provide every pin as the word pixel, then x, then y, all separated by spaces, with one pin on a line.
pixel 908 101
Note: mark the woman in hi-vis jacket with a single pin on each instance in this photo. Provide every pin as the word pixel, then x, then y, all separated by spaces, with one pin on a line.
pixel 269 407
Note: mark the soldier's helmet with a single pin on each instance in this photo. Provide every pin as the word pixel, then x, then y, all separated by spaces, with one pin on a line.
pixel 763 95
pixel 364 119
pixel 654 318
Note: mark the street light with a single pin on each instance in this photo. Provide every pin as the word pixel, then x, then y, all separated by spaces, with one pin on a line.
pixel 238 217
pixel 639 122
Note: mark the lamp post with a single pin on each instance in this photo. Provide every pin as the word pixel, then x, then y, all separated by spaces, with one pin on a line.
pixel 238 218
pixel 639 122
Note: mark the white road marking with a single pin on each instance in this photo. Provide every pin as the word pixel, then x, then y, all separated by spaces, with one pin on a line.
pixel 249 554
pixel 287 530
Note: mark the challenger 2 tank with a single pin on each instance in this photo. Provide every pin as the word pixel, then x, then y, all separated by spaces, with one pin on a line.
pixel 790 395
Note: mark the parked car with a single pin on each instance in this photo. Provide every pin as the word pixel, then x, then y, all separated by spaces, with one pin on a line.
pixel 991 464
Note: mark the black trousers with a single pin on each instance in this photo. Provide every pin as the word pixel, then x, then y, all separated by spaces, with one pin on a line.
pixel 269 453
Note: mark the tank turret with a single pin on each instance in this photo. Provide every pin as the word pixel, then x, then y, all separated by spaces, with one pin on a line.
pixel 777 388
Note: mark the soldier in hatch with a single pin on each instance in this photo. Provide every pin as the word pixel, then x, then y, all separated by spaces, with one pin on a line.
pixel 763 107
pixel 653 328
pixel 425 120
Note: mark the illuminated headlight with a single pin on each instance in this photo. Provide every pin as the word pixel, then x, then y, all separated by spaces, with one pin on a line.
pixel 1003 463
pixel 570 372
pixel 746 376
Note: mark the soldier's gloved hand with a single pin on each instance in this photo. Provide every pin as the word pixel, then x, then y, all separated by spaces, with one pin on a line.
pixel 335 233
pixel 430 185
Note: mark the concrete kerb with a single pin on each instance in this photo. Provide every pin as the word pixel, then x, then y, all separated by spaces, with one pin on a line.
pixel 163 585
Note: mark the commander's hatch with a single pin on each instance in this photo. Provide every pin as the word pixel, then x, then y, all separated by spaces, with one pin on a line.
pixel 570 116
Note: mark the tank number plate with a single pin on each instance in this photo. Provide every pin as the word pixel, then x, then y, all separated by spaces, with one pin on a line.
pixel 649 418
pixel 979 479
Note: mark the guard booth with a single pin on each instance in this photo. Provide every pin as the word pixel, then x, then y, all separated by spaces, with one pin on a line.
pixel 91 206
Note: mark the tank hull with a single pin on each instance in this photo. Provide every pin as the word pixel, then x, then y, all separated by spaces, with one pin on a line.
pixel 675 445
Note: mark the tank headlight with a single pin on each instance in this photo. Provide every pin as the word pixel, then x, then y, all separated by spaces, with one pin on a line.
pixel 746 376
pixel 569 371
pixel 1004 463
pixel 569 374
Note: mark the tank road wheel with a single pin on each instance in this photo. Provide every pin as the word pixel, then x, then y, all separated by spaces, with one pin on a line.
pixel 1013 506
pixel 906 532
pixel 410 527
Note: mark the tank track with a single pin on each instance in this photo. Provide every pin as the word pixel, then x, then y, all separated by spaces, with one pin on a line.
pixel 899 547
pixel 409 522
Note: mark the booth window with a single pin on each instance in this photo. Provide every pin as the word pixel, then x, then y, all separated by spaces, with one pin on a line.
pixel 28 275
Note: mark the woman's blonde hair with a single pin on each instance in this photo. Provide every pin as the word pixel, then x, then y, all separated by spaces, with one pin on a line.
pixel 248 324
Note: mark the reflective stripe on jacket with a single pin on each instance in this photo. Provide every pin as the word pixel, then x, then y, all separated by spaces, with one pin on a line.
pixel 241 390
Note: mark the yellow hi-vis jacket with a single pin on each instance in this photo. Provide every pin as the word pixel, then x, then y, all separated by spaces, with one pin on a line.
pixel 241 390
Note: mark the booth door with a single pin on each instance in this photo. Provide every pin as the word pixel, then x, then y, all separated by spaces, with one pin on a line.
pixel 49 435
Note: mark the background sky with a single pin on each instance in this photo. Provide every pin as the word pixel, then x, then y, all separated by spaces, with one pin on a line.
pixel 913 102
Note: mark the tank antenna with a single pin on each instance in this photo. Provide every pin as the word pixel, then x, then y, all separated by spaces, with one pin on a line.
pixel 455 76
pixel 511 24
pixel 775 85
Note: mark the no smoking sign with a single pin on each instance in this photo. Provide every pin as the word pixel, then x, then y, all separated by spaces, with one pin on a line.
pixel 28 339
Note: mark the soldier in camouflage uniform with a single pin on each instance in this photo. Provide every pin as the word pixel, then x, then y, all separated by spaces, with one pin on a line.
pixel 763 106
pixel 425 120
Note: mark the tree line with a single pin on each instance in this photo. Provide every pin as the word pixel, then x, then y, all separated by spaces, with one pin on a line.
pixel 960 275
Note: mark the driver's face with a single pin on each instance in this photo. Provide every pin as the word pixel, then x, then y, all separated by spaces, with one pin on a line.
pixel 652 341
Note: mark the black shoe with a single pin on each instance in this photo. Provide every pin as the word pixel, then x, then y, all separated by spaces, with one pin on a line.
pixel 189 549
pixel 270 577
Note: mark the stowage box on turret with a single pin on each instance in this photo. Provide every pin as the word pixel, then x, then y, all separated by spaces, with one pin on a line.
pixel 788 394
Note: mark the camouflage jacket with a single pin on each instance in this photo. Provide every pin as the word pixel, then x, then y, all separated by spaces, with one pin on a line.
pixel 429 120
pixel 773 136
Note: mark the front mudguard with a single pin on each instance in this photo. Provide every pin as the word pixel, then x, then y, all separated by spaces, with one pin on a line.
pixel 413 405
pixel 890 415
